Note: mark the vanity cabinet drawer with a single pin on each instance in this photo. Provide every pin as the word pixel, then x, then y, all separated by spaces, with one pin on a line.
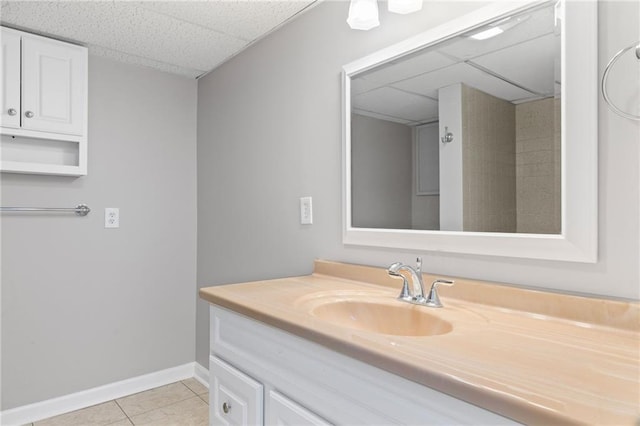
pixel 283 411
pixel 236 399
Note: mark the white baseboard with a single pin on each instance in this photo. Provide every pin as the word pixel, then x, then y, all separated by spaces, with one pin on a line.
pixel 75 401
pixel 201 374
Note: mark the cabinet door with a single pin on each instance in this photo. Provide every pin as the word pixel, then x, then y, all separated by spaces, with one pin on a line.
pixel 235 398
pixel 283 411
pixel 10 96
pixel 53 85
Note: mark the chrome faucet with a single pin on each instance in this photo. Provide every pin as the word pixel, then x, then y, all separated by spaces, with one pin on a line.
pixel 417 295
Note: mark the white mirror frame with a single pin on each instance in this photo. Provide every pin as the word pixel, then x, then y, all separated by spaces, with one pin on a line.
pixel 578 241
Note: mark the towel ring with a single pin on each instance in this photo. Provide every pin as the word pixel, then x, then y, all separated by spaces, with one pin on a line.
pixel 605 94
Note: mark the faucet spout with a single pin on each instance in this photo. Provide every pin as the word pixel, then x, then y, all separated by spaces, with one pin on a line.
pixel 417 295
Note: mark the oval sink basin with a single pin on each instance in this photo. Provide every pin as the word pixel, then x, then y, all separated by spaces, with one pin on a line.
pixel 401 319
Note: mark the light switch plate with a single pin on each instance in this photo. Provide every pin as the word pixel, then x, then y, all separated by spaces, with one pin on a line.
pixel 306 211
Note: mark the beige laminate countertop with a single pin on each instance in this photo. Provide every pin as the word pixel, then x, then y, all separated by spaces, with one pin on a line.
pixel 535 357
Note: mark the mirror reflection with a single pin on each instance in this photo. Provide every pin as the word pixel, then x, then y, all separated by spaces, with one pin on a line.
pixel 463 135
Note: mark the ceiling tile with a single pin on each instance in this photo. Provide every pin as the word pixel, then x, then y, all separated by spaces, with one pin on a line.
pixel 539 23
pixel 531 64
pixel 361 85
pixel 257 17
pixel 429 83
pixel 407 67
pixel 129 29
pixel 132 59
pixel 382 117
pixel 396 103
pixel 183 37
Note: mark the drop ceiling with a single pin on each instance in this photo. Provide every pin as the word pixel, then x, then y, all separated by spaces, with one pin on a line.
pixel 519 65
pixel 189 38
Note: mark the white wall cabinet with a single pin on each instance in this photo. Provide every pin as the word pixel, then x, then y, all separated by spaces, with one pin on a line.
pixel 305 383
pixel 44 105
pixel 10 76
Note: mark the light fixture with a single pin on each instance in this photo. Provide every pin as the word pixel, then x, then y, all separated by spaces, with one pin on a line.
pixel 404 6
pixel 363 14
pixel 488 33
pixel 497 28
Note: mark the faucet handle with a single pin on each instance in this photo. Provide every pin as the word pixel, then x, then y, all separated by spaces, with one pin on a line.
pixel 434 300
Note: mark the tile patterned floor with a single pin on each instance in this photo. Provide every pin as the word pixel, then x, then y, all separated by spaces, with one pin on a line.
pixel 182 403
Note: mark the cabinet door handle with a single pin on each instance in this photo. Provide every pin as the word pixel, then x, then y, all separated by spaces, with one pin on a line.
pixel 28 114
pixel 12 111
pixel 226 407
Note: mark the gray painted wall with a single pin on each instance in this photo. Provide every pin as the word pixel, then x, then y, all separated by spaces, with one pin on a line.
pixel 269 132
pixel 381 173
pixel 83 306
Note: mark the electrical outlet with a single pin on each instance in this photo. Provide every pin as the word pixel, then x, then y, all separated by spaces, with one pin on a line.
pixel 306 211
pixel 112 217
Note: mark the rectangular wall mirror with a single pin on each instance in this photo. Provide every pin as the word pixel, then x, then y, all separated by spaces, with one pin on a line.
pixel 478 136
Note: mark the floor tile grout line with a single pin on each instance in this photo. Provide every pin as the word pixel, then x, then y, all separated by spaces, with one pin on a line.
pixel 165 406
pixel 129 418
pixel 123 412
pixel 187 386
pixel 193 390
pixel 206 401
pixel 147 390
pixel 148 411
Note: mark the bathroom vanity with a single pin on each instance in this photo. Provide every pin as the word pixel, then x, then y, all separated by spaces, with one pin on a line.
pixel 337 347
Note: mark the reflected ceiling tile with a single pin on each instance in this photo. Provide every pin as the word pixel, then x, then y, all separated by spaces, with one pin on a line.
pixel 360 85
pixel 396 103
pixel 408 68
pixel 382 117
pixel 540 22
pixel 428 84
pixel 530 64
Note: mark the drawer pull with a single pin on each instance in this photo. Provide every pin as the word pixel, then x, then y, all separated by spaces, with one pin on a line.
pixel 12 111
pixel 226 407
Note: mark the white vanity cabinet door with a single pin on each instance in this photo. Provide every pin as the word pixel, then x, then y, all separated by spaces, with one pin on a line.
pixel 10 88
pixel 236 399
pixel 281 411
pixel 53 85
